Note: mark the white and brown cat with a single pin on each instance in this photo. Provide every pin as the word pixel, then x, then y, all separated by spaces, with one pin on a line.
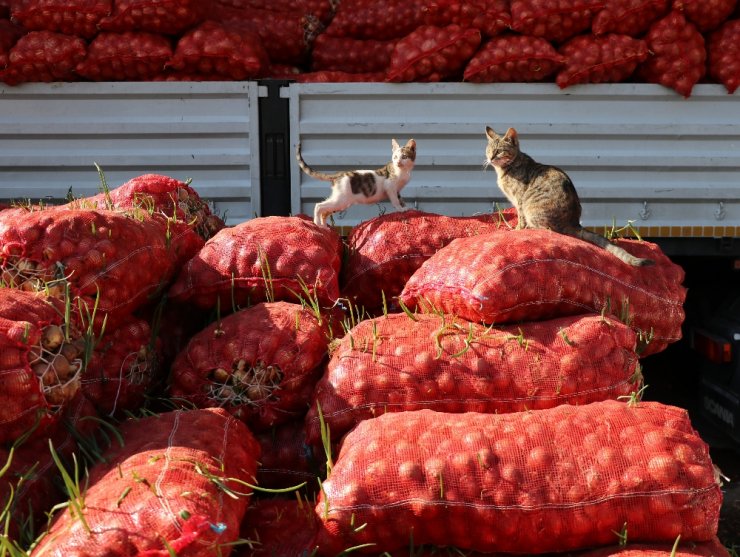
pixel 364 186
pixel 544 196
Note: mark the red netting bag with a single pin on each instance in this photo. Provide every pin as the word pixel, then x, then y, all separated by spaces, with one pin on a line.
pixel 169 17
pixel 262 259
pixel 41 363
pixel 260 363
pixel 724 55
pixel 286 36
pixel 677 54
pixel 287 460
pixel 705 14
pixel 336 76
pixel 399 362
pixel 491 17
pixel 44 56
pixel 378 20
pixel 231 51
pixel 629 17
pixel 178 484
pixel 351 55
pixel 131 56
pixel 679 548
pixel 9 35
pixel 607 58
pixel 530 274
pixel 432 53
pixel 160 194
pixel 71 17
pixel 278 527
pixel 540 481
pixel 112 262
pixel 321 9
pixel 555 21
pixel 124 367
pixel 385 251
pixel 513 59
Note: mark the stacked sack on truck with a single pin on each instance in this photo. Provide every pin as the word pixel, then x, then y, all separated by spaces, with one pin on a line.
pixel 432 384
pixel 675 43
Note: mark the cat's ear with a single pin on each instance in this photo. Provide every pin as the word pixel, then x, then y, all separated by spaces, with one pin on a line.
pixel 395 145
pixel 491 134
pixel 411 144
pixel 512 136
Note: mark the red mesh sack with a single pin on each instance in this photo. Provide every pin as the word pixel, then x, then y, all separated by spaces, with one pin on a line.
pixel 9 35
pixel 537 274
pixel 513 59
pixel 278 527
pixel 120 260
pixel 678 54
pixel 705 14
pixel 541 481
pixel 432 53
pixel 397 363
pixel 161 194
pixel 260 364
pixel 711 548
pixel 379 20
pixel 262 259
pixel 629 17
pixel 491 17
pixel 321 9
pixel 608 58
pixel 41 363
pixel 174 486
pixel 233 52
pixel 287 460
pixel 385 251
pixel 555 21
pixel 132 56
pixel 336 76
pixel 351 55
pixel 71 17
pixel 724 55
pixel 286 36
pixel 44 56
pixel 124 367
pixel 169 17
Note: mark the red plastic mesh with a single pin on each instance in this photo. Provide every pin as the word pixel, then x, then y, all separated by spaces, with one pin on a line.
pixel 379 20
pixel 724 55
pixel 131 56
pixel 608 58
pixel 513 58
pixel 706 14
pixel 287 460
pixel 71 17
pixel 259 363
pixel 529 275
pixel 278 528
pixel 385 251
pixel 259 259
pixel 712 548
pixel 123 369
pixel 491 17
pixel 163 486
pixel 560 479
pixel 554 21
pixel 336 76
pixel 44 56
pixel 393 364
pixel 123 258
pixel 321 9
pixel 170 17
pixel 629 17
pixel 347 54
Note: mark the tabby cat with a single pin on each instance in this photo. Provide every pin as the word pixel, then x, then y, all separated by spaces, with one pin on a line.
pixel 364 186
pixel 543 195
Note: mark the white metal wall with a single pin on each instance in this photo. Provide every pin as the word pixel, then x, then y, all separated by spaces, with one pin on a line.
pixel 634 151
pixel 51 136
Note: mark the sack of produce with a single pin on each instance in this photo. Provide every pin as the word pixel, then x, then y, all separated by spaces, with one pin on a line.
pixel 180 482
pixel 70 17
pixel 384 252
pixel 323 10
pixel 541 481
pixel 432 53
pixel 724 55
pixel 629 17
pixel 44 56
pixel 378 20
pixel 287 460
pixel 707 15
pixel 513 59
pixel 399 362
pixel 347 54
pixel 491 17
pixel 679 548
pixel 262 259
pixel 279 527
pixel 129 56
pixel 337 76
pixel 260 363
pixel 168 17
pixel 677 54
pixel 528 275
pixel 609 58
pixel 553 21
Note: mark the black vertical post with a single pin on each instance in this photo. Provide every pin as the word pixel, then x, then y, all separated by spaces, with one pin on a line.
pixel 274 126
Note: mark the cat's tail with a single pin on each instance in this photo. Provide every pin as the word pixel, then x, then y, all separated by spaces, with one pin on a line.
pixel 310 171
pixel 614 249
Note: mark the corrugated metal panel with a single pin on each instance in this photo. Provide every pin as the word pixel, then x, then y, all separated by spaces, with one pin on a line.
pixel 51 136
pixel 634 151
